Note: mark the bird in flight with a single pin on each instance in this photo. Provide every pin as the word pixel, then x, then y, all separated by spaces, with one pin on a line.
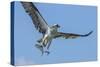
pixel 48 32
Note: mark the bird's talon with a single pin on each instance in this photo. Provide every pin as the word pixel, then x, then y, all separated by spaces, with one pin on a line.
pixel 47 52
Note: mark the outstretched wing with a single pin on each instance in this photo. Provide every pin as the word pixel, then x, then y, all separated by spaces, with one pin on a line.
pixel 38 20
pixel 70 35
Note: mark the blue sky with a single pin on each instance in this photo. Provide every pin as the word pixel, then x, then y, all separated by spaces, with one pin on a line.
pixel 72 19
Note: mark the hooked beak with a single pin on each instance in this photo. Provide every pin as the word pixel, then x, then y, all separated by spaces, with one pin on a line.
pixel 58 26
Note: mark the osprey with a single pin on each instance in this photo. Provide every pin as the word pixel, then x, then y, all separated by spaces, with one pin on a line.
pixel 49 33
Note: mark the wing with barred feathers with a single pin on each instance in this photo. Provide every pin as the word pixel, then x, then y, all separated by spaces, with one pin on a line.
pixel 71 35
pixel 38 20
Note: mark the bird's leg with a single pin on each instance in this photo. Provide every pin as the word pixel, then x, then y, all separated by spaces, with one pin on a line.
pixel 47 48
pixel 44 40
pixel 49 44
pixel 42 45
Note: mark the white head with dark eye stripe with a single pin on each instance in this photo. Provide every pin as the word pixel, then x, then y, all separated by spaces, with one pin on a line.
pixel 56 26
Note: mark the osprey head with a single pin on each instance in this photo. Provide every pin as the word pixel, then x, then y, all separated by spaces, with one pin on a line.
pixel 56 25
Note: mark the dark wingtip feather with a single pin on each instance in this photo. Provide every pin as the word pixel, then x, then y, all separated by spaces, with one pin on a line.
pixel 87 34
